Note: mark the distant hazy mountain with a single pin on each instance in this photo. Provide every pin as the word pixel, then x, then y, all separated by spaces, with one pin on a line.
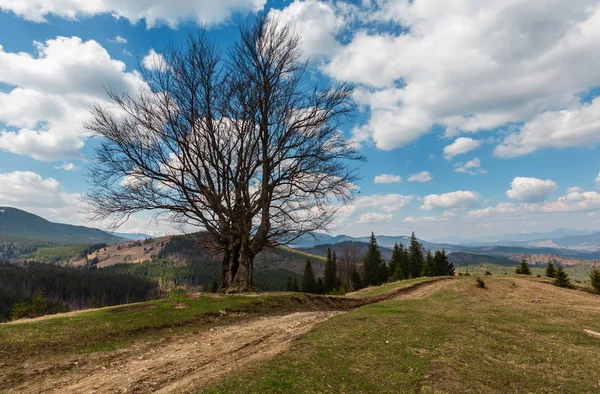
pixel 386 241
pixel 516 239
pixel 15 223
pixel 589 242
pixel 133 236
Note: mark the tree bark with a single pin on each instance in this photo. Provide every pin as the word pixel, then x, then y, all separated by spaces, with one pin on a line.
pixel 231 263
pixel 242 280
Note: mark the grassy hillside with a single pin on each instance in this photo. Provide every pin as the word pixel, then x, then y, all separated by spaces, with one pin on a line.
pixel 462 339
pixel 15 223
pixel 516 335
pixel 577 273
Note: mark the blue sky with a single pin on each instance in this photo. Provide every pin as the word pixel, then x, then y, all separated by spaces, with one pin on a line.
pixel 493 104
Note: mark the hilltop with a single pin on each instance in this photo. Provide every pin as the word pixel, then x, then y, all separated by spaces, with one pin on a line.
pixel 16 224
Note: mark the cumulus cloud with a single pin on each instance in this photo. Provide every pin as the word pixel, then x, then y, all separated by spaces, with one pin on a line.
pixel 385 202
pixel 472 167
pixel 447 215
pixel 51 93
pixel 387 178
pixel 154 61
pixel 578 125
pixel 119 40
pixel 43 196
pixel 574 201
pixel 501 208
pixel 423 176
pixel 66 167
pixel 374 217
pixel 531 189
pixel 460 146
pixel 154 12
pixel 472 66
pixel 451 200
pixel 317 22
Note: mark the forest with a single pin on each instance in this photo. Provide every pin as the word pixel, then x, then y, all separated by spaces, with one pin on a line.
pixel 371 269
pixel 30 289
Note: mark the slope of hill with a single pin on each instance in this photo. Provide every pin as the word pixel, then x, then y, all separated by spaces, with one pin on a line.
pixel 460 259
pixel 16 224
pixel 518 335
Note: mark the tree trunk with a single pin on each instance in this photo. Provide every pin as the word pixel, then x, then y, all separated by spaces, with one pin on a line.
pixel 242 280
pixel 231 265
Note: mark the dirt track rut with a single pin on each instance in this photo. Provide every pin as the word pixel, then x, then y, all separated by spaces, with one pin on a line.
pixel 188 362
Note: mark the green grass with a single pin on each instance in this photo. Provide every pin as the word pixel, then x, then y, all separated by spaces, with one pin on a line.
pixel 463 339
pixel 113 328
pixel 578 272
pixel 389 287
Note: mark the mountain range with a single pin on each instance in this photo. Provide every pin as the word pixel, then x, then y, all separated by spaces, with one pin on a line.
pixel 16 223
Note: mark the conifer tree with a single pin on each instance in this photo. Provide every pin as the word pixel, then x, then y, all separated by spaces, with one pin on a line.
pixel 372 264
pixel 523 269
pixel 394 261
pixel 450 271
pixel 550 270
pixel 288 284
pixel 295 287
pixel 308 280
pixel 402 270
pixel 355 281
pixel 595 278
pixel 429 269
pixel 320 286
pixel 562 279
pixel 415 257
pixel 443 264
pixel 330 275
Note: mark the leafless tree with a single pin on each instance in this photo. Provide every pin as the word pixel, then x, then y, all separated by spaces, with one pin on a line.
pixel 244 145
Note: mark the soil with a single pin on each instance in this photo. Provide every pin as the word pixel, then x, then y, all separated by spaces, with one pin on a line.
pixel 187 362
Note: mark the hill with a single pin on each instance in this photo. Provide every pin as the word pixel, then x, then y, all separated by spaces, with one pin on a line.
pixel 516 335
pixel 460 259
pixel 16 225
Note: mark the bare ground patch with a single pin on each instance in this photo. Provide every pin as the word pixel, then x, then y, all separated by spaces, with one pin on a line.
pixel 185 363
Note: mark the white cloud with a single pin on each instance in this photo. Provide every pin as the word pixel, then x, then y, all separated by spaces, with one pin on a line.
pixel 472 167
pixel 119 40
pixel 501 208
pixel 460 146
pixel 447 215
pixel 574 201
pixel 53 89
pixel 578 125
pixel 385 202
pixel 597 180
pixel 66 167
pixel 28 190
pixel 154 12
pixel 387 178
pixel 154 61
pixel 423 176
pixel 531 189
pixel 316 21
pixel 374 217
pixel 451 200
pixel 471 66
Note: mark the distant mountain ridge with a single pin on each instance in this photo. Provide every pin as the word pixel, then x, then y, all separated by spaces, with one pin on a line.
pixel 16 223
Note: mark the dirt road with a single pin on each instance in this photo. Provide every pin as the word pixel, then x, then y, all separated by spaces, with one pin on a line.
pixel 423 290
pixel 187 362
